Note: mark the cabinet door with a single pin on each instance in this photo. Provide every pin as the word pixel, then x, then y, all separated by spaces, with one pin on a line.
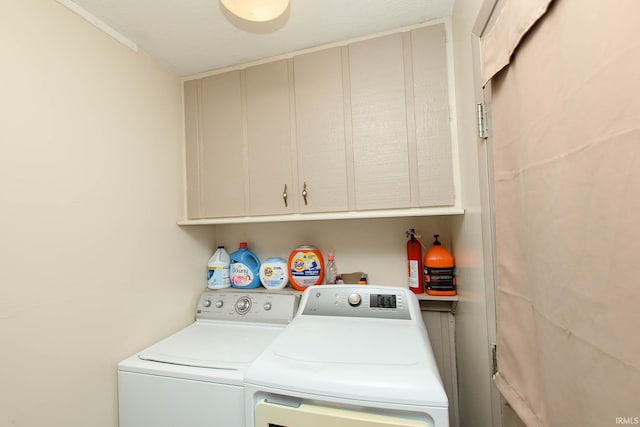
pixel 268 129
pixel 378 107
pixel 432 116
pixel 213 121
pixel 192 149
pixel 320 127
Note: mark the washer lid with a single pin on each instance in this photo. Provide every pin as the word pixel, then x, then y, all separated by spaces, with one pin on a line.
pixel 219 345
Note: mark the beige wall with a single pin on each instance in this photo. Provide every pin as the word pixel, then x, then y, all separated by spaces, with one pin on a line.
pixel 375 246
pixel 93 266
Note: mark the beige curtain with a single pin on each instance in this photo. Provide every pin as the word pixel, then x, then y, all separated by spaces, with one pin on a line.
pixel 566 133
pixel 513 22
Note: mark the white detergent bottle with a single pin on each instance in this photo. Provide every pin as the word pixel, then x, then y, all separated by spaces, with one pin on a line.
pixel 218 266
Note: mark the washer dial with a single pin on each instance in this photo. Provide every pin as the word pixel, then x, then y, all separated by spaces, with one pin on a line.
pixel 354 300
pixel 243 305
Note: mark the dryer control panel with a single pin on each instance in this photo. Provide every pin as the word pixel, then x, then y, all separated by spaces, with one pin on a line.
pixel 247 306
pixel 358 301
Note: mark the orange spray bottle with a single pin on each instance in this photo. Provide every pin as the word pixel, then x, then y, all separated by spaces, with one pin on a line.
pixel 439 271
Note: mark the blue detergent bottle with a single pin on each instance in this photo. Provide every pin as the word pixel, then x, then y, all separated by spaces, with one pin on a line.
pixel 244 268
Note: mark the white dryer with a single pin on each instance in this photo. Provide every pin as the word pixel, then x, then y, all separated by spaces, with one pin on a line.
pixel 194 378
pixel 353 356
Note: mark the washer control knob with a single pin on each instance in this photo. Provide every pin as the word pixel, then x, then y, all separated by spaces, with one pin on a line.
pixel 243 305
pixel 267 306
pixel 206 303
pixel 219 303
pixel 354 300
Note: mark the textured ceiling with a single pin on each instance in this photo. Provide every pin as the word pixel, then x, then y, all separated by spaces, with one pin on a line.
pixel 194 36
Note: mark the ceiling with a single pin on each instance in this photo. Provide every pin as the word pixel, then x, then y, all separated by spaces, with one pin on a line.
pixel 194 36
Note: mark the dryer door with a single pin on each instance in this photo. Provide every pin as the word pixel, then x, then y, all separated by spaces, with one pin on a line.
pixel 307 415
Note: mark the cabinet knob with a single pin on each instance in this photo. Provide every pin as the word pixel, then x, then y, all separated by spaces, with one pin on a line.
pixel 284 196
pixel 304 193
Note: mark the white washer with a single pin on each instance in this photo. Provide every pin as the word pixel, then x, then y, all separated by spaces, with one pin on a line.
pixel 194 378
pixel 352 356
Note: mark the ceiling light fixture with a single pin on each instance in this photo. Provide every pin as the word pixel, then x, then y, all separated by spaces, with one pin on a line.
pixel 256 10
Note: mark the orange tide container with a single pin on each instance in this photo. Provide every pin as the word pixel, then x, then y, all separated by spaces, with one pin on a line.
pixel 439 271
pixel 306 267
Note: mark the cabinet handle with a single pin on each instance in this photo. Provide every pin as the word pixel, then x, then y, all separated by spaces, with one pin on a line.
pixel 304 193
pixel 284 196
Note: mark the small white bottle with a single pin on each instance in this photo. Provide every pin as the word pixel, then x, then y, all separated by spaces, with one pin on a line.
pixel 331 270
pixel 218 266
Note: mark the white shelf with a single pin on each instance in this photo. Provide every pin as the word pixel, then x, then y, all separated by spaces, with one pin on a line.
pixel 396 213
pixel 427 297
pixel 435 303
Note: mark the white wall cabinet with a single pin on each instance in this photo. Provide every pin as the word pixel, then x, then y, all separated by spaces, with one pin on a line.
pixel 268 134
pixel 432 112
pixel 401 121
pixel 320 131
pixel 379 117
pixel 358 128
pixel 214 151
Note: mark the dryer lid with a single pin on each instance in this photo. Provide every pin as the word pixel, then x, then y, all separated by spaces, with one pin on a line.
pixel 215 345
pixel 351 341
pixel 374 360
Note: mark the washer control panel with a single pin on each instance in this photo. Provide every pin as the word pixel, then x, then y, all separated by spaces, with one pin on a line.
pixel 357 301
pixel 248 306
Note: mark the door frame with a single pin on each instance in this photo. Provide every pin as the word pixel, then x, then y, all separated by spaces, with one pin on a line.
pixel 485 19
